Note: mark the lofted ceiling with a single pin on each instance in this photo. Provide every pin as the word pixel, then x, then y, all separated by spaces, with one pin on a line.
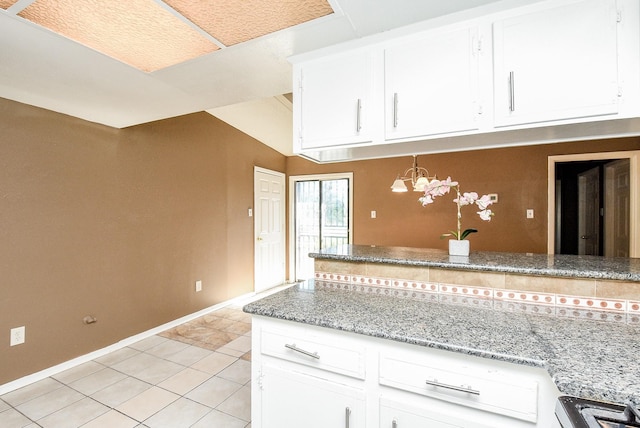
pixel 231 55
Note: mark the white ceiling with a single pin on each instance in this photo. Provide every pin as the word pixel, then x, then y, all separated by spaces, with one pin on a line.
pixel 43 69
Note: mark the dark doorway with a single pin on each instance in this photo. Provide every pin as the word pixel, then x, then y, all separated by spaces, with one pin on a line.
pixel 589 220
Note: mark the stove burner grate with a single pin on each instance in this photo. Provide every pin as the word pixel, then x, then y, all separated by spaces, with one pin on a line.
pixel 575 412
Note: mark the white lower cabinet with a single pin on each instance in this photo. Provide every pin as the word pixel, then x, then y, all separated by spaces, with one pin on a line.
pixel 291 399
pixel 319 377
pixel 396 414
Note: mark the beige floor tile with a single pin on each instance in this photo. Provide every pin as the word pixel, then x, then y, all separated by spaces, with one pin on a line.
pixel 75 415
pixel 190 355
pixel 184 381
pixel 148 343
pixel 148 368
pixel 238 372
pixel 78 372
pixel 121 391
pixel 219 419
pixel 238 404
pixel 97 381
pixel 214 363
pixel 29 392
pixel 229 351
pixel 182 413
pixel 243 343
pixel 49 403
pixel 117 356
pixel 14 419
pixel 144 405
pixel 3 406
pixel 167 348
pixel 112 419
pixel 213 392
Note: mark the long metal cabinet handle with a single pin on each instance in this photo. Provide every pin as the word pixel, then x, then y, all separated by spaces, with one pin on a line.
pixel 395 110
pixel 394 424
pixel 461 388
pixel 347 417
pixel 358 121
pixel 512 92
pixel 293 347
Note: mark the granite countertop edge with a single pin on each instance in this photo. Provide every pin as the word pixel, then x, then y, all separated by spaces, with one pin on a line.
pixel 621 269
pixel 542 349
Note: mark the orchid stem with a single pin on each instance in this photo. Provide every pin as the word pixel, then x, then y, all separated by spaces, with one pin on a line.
pixel 459 215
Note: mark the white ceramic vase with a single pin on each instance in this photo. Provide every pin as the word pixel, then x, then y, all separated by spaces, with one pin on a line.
pixel 458 248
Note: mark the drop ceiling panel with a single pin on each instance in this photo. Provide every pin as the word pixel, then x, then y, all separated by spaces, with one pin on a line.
pixel 6 4
pixel 137 32
pixel 236 21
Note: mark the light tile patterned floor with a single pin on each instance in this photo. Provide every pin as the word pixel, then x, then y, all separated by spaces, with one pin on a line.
pixel 195 375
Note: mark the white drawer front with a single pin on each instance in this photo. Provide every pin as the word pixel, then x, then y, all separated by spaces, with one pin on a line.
pixel 461 383
pixel 315 350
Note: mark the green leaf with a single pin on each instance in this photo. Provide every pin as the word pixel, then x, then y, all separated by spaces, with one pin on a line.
pixel 451 233
pixel 467 232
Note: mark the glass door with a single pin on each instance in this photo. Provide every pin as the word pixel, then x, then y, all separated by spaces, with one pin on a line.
pixel 321 217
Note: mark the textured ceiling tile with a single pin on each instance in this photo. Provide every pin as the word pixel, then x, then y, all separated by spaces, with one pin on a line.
pixel 236 21
pixel 6 4
pixel 137 32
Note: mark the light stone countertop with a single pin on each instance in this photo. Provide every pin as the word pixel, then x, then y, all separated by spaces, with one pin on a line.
pixel 566 266
pixel 585 358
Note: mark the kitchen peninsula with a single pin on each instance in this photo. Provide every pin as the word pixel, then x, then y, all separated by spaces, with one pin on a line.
pixel 377 323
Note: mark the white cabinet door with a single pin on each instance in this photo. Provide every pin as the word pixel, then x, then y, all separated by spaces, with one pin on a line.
pixel 334 103
pixel 431 85
pixel 291 399
pixel 555 64
pixel 401 415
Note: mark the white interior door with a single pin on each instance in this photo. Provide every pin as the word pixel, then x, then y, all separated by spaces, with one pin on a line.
pixel 617 208
pixel 269 223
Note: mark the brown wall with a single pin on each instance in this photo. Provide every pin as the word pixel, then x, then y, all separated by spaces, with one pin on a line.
pixel 518 175
pixel 118 224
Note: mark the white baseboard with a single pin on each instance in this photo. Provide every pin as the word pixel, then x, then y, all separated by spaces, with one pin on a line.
pixel 29 379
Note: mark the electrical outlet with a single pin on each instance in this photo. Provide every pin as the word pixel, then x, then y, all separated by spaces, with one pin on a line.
pixel 530 213
pixel 17 336
pixel 374 214
pixel 198 285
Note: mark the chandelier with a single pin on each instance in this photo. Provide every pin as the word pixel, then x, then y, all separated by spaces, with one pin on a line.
pixel 418 176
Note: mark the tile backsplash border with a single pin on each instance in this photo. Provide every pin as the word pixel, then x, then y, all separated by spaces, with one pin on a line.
pixel 558 304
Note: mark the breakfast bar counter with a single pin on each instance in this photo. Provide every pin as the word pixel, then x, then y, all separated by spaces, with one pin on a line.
pixel 562 266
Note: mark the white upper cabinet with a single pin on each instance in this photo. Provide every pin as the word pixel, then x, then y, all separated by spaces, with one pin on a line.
pixel 429 88
pixel 556 64
pixel 334 101
pixel 431 85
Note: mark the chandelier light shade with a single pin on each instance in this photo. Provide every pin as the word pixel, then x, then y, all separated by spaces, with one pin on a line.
pixel 418 176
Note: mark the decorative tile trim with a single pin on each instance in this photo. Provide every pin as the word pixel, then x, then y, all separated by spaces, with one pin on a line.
pixel 333 277
pixel 592 303
pixel 616 310
pixel 526 297
pixel 466 290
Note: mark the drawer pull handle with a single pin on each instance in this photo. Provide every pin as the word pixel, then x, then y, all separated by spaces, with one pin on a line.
pixel 293 347
pixel 461 388
pixel 347 416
